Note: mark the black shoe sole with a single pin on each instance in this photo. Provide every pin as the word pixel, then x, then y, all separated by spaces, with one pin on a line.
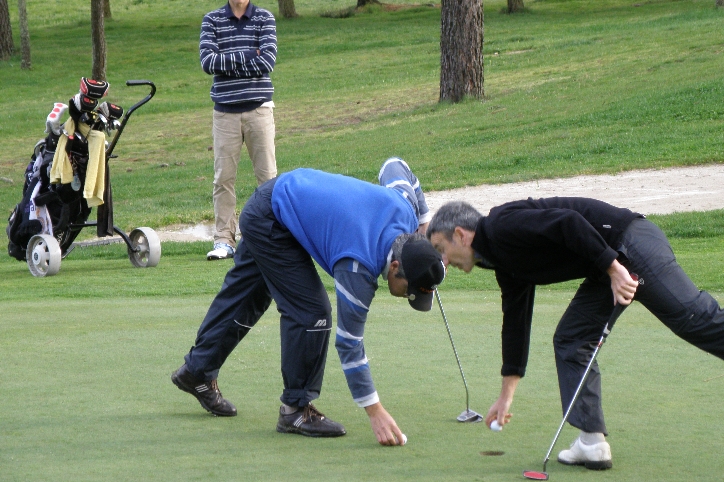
pixel 601 465
pixel 298 431
pixel 604 465
pixel 181 387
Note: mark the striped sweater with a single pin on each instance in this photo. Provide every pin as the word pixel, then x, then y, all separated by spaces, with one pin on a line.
pixel 228 51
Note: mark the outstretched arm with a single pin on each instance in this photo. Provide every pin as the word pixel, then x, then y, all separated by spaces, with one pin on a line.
pixel 355 287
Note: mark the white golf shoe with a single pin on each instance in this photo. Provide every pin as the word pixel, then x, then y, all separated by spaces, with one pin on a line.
pixel 594 457
pixel 220 251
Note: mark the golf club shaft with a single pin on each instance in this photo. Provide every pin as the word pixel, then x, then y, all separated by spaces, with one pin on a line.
pixel 617 310
pixel 449 334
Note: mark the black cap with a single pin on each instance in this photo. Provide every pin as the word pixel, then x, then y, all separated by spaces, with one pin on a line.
pixel 424 270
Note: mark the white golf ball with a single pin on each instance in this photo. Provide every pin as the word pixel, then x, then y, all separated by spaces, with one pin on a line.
pixel 404 439
pixel 495 426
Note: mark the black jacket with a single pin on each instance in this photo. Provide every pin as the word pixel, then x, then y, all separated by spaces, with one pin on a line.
pixel 543 241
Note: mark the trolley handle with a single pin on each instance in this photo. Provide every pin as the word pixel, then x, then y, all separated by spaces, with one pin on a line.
pixel 131 83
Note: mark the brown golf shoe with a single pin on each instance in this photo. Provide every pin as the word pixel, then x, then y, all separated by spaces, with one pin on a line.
pixel 310 422
pixel 207 393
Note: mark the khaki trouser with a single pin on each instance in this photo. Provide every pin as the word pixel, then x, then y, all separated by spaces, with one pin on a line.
pixel 230 131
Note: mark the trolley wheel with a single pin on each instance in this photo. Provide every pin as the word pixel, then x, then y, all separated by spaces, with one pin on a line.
pixel 146 248
pixel 43 255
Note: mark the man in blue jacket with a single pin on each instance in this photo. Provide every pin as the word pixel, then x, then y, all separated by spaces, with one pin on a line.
pixel 542 241
pixel 356 231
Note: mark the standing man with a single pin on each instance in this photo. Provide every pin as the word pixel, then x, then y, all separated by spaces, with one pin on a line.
pixel 544 241
pixel 355 231
pixel 239 48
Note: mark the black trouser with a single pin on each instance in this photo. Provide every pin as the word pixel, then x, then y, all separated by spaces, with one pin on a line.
pixel 664 289
pixel 269 263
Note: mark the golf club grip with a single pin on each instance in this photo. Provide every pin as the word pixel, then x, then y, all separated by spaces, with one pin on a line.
pixel 615 314
pixel 617 310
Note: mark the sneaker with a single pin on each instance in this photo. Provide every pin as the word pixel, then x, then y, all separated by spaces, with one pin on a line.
pixel 207 393
pixel 220 251
pixel 594 457
pixel 310 422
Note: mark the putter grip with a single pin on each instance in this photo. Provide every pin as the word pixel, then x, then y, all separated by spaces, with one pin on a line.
pixel 617 310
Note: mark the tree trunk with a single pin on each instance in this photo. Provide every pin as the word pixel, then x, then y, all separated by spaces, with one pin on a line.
pixel 515 6
pixel 6 31
pixel 286 9
pixel 98 37
pixel 24 35
pixel 107 9
pixel 461 50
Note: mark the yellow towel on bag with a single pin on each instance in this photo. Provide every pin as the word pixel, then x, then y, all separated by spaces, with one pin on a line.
pixel 61 171
pixel 95 175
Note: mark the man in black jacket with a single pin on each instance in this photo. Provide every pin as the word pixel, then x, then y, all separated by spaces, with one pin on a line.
pixel 543 241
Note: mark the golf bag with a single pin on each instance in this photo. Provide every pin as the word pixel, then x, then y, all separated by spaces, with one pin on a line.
pixel 56 204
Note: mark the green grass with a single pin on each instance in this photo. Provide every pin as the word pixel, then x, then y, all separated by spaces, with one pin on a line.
pixel 571 87
pixel 86 396
pixel 183 270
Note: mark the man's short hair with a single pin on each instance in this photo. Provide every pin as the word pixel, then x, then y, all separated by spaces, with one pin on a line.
pixel 452 215
pixel 397 250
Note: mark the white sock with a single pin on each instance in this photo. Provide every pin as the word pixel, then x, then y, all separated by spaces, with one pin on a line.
pixel 286 409
pixel 591 438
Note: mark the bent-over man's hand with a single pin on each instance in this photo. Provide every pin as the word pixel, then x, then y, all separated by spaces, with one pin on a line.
pixel 383 425
pixel 499 410
pixel 622 284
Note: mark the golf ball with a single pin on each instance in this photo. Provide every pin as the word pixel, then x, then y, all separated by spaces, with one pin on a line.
pixel 404 439
pixel 495 426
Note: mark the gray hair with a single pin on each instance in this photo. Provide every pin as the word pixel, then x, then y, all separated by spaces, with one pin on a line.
pixel 397 250
pixel 452 215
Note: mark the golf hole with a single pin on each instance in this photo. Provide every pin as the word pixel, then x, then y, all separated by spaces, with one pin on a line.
pixel 492 453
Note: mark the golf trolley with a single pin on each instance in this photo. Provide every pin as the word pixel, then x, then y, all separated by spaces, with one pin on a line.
pixel 67 176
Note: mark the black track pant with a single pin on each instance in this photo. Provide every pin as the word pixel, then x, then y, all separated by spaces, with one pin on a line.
pixel 664 289
pixel 269 264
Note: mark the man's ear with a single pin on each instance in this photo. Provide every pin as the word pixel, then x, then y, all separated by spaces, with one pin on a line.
pixel 466 237
pixel 394 267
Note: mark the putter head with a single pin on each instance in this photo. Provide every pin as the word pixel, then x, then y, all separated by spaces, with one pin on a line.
pixel 535 475
pixel 470 416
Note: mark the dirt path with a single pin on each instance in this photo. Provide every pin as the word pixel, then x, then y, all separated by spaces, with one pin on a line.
pixel 699 188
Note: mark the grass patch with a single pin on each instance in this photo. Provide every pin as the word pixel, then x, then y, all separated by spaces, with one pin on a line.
pixel 92 354
pixel 571 88
pixel 97 401
pixel 696 238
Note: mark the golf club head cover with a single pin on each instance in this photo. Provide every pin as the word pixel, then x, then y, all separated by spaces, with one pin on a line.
pixel 83 103
pixel 110 111
pixel 95 89
pixel 52 122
